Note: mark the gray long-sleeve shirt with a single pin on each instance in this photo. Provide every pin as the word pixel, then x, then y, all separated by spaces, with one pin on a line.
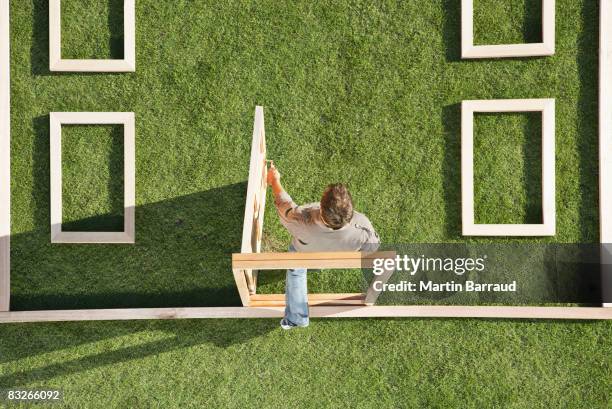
pixel 311 234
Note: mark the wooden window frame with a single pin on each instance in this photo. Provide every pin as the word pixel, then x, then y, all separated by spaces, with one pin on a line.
pixel 126 64
pixel 57 119
pixel 469 50
pixel 547 108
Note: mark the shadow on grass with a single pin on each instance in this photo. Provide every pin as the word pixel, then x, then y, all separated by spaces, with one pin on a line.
pixel 116 28
pixel 182 255
pixel 39 51
pixel 451 169
pixel 532 167
pixel 532 22
pixel 452 30
pixel 587 105
pixel 175 335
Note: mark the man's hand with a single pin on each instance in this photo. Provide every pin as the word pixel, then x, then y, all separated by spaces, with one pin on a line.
pixel 274 180
pixel 273 175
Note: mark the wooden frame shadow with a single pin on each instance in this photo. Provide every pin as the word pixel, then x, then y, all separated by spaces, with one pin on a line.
pixel 57 119
pixel 469 50
pixel 57 63
pixel 468 108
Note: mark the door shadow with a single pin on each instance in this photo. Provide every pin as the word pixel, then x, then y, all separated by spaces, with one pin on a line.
pixel 182 257
pixel 182 254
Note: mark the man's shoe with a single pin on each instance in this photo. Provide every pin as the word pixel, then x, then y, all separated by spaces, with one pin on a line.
pixel 287 325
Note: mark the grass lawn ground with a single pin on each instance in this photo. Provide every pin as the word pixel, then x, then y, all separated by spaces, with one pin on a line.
pixel 357 91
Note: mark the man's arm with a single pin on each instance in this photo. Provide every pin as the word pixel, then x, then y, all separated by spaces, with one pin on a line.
pixel 285 206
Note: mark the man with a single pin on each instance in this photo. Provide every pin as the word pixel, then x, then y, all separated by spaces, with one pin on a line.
pixel 331 225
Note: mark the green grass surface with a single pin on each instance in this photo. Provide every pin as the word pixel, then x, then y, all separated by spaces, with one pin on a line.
pixel 85 164
pixel 508 168
pixel 334 363
pixel 357 91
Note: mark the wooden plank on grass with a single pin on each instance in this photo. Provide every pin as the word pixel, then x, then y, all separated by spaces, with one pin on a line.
pixel 256 196
pixel 316 296
pixel 5 158
pixel 469 226
pixel 605 122
pixel 348 311
pixel 278 300
pixel 605 148
pixel 241 285
pixel 258 304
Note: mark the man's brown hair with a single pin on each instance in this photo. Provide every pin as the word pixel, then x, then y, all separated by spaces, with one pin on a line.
pixel 336 206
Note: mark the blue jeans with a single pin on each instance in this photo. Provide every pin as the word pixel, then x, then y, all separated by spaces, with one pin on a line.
pixel 296 295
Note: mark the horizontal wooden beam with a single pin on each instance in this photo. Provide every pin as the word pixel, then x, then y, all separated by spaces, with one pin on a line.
pixel 314 296
pixel 348 311
pixel 310 303
pixel 320 255
pixel 457 311
pixel 135 314
pixel 278 300
pixel 281 261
